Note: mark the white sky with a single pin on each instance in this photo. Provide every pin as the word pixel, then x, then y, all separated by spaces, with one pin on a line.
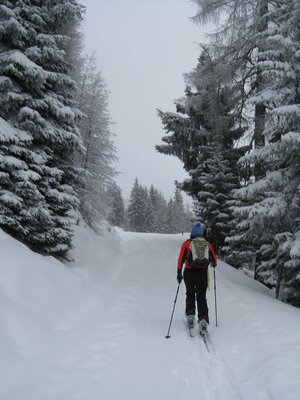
pixel 143 48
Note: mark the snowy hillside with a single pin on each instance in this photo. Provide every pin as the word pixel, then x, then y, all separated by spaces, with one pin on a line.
pixel 95 330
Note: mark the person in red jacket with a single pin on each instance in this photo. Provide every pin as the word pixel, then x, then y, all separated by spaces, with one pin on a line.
pixel 196 274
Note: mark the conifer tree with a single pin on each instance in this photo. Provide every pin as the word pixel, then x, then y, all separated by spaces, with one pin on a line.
pixel 260 40
pixel 273 197
pixel 202 136
pixel 179 212
pixel 171 217
pixel 148 211
pixel 138 208
pixel 178 220
pixel 36 97
pixel 189 218
pixel 159 210
pixel 96 163
pixel 117 208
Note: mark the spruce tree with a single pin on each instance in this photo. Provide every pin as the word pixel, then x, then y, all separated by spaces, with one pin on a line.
pixel 189 218
pixel 171 225
pixel 36 98
pixel 202 135
pixel 274 197
pixel 179 212
pixel 159 210
pixel 137 209
pixel 260 40
pixel 117 208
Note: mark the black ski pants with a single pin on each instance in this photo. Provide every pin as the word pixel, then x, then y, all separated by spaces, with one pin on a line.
pixel 196 285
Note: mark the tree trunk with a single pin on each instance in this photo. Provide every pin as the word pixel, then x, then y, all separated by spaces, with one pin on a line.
pixel 279 280
pixel 260 109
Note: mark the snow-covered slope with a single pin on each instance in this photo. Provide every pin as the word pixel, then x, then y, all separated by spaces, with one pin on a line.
pixel 95 330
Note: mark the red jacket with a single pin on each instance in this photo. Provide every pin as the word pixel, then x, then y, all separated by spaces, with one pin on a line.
pixel 185 255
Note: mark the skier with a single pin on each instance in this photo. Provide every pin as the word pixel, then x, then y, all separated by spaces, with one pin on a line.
pixel 197 253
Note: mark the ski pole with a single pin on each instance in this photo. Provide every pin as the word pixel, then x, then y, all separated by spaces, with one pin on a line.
pixel 215 288
pixel 168 334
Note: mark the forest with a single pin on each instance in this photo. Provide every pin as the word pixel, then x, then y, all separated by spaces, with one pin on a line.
pixel 236 130
pixel 57 149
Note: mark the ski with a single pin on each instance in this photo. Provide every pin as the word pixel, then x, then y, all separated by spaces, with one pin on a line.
pixel 203 337
pixel 191 332
pixel 190 329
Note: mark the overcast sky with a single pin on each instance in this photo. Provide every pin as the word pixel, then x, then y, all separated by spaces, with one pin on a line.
pixel 143 48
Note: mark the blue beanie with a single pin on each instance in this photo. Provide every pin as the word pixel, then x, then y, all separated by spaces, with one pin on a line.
pixel 198 229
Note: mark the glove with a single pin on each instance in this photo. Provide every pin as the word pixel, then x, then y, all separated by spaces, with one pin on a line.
pixel 179 276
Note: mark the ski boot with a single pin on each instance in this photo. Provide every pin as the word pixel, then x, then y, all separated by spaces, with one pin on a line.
pixel 190 321
pixel 202 327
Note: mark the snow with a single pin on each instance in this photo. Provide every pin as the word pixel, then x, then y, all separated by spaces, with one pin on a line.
pixel 27 175
pixel 292 136
pixel 6 11
pixel 95 328
pixel 10 198
pixel 9 133
pixel 16 56
pixel 295 248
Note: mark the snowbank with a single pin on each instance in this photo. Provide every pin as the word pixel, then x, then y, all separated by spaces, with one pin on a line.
pixel 37 293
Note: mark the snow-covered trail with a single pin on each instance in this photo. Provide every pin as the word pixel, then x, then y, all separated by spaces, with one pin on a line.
pixel 114 347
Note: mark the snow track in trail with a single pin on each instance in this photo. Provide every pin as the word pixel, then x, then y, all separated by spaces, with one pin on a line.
pixel 112 346
pixel 144 364
pixel 197 372
pixel 209 373
pixel 220 384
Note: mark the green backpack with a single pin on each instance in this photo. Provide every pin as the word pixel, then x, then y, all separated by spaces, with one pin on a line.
pixel 199 252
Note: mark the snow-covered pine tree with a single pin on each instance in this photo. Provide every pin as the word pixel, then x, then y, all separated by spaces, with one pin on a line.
pixel 116 215
pixel 14 162
pixel 138 213
pixel 36 97
pixel 235 41
pixel 179 220
pixel 96 162
pixel 203 137
pixel 179 212
pixel 171 220
pixel 148 212
pixel 188 219
pixel 261 41
pixel 159 210
pixel 274 198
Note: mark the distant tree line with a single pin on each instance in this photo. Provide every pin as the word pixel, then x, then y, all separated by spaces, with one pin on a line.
pixel 148 211
pixel 237 132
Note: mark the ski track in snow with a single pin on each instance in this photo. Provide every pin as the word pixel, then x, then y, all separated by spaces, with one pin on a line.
pixel 114 346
